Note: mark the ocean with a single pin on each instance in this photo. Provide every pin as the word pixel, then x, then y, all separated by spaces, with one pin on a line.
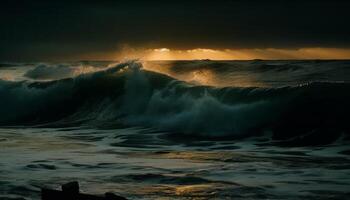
pixel 162 130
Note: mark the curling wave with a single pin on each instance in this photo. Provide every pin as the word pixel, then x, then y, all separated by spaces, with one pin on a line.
pixel 126 94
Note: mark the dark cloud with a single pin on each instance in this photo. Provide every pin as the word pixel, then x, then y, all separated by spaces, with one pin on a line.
pixel 62 29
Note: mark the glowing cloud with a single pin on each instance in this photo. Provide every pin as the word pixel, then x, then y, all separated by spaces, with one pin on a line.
pixel 233 54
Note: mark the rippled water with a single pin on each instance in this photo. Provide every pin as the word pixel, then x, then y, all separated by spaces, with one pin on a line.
pixel 140 164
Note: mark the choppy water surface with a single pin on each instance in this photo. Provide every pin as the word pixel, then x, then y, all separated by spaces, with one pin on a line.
pixel 134 163
pixel 177 130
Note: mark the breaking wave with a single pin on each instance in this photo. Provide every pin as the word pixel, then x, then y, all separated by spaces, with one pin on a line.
pixel 59 71
pixel 126 94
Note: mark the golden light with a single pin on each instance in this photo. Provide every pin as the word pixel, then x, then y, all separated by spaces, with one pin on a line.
pixel 161 50
pixel 190 54
pixel 220 54
pixel 234 54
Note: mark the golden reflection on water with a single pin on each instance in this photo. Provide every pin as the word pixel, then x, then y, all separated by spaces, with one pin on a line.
pixel 194 191
pixel 203 76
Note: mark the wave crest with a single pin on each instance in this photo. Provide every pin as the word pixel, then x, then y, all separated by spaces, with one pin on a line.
pixel 127 94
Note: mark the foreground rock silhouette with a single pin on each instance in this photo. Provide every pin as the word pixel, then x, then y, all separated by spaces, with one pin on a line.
pixel 70 191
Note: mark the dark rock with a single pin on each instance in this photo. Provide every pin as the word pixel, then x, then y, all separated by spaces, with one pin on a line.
pixel 111 196
pixel 70 191
pixel 71 187
pixel 48 194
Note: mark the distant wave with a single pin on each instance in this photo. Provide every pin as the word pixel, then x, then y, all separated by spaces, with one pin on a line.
pixel 59 71
pixel 254 73
pixel 9 64
pixel 129 95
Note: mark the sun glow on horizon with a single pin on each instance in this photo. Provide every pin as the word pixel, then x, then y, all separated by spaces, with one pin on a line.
pixel 189 54
pixel 162 50
pixel 232 54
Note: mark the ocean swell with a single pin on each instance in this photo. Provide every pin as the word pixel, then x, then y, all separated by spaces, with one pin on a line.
pixel 129 95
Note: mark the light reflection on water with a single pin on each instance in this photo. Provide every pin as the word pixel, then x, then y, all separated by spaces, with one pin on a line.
pixel 34 157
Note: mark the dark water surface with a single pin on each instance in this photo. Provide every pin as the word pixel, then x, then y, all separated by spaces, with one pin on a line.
pixel 177 129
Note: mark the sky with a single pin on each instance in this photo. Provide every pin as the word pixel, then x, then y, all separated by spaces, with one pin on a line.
pixel 182 29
